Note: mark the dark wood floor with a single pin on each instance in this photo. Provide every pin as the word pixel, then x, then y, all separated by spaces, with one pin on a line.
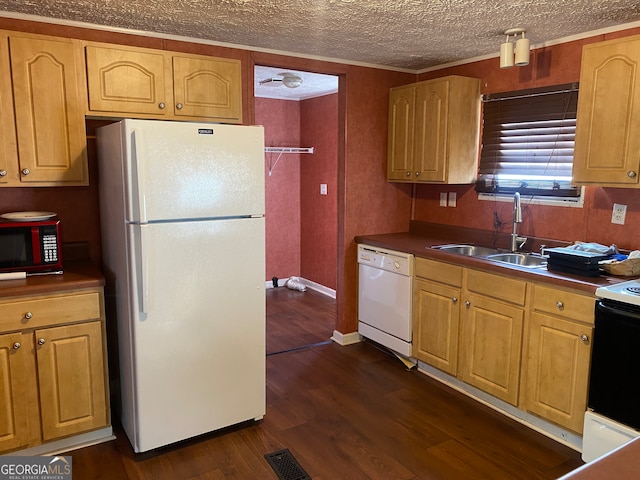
pixel 350 412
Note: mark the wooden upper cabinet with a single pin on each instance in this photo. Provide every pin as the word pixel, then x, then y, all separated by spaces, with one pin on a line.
pixel 8 147
pixel 128 80
pixel 147 83
pixel 402 102
pixel 49 97
pixel 607 144
pixel 434 131
pixel 207 87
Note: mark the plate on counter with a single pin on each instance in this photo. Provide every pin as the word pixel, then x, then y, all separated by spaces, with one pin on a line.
pixel 28 216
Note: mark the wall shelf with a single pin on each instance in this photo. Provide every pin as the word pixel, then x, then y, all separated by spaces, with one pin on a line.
pixel 281 150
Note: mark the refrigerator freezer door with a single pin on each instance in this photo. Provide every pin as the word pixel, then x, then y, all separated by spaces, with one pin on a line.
pixel 179 170
pixel 198 353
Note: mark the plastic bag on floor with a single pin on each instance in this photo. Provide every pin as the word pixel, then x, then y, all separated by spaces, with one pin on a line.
pixel 294 283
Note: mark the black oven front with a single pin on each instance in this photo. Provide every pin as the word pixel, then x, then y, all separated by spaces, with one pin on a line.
pixel 614 386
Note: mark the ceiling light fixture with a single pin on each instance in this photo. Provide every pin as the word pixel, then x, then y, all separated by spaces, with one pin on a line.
pixel 522 47
pixel 291 81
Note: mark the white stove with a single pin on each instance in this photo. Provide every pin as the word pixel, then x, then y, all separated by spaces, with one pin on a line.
pixel 626 292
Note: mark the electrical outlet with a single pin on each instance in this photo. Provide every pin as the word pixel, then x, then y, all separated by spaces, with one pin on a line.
pixel 619 212
pixel 452 199
pixel 323 189
pixel 443 199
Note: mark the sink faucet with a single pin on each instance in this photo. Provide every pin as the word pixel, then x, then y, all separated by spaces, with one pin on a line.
pixel 516 240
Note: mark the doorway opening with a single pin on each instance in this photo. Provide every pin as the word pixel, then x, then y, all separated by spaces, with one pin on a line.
pixel 299 112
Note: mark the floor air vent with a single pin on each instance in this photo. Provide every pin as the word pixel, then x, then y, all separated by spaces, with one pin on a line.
pixel 286 466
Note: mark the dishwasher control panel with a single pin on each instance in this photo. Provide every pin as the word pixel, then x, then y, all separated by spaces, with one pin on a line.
pixel 384 259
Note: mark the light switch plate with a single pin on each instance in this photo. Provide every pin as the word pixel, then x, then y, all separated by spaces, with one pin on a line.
pixel 443 199
pixel 452 199
pixel 323 189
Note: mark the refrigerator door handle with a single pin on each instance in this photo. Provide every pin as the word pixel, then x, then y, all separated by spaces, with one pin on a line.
pixel 144 267
pixel 139 154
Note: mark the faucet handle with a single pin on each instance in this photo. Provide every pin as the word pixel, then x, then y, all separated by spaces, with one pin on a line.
pixel 543 249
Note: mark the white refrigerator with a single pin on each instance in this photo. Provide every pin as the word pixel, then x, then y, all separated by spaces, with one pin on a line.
pixel 183 242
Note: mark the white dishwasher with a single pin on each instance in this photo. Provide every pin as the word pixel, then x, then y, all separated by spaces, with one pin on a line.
pixel 385 292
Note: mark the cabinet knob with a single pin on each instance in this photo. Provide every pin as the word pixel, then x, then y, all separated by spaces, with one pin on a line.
pixel 41 341
pixel 454 299
pixel 28 315
pixel 417 174
pixel 16 345
pixel 26 171
pixel 560 305
pixel 3 173
pixel 179 106
pixel 631 174
pixel 467 304
pixel 161 105
pixel 408 174
pixel 584 338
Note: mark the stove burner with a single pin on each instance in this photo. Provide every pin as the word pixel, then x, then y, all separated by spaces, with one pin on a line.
pixel 634 290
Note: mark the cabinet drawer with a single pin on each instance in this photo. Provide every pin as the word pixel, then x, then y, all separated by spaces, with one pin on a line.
pixel 439 272
pixel 43 311
pixel 496 286
pixel 563 303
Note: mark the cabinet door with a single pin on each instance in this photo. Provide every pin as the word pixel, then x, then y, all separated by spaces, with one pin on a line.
pixel 207 88
pixel 71 376
pixel 490 347
pixel 8 148
pixel 401 122
pixel 50 101
pixel 558 370
pixel 607 144
pixel 431 130
pixel 129 81
pixel 436 316
pixel 14 372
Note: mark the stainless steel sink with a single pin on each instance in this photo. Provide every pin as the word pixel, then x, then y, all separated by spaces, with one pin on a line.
pixel 519 259
pixel 469 250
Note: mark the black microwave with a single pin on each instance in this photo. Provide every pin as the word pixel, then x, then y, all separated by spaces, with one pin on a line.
pixel 33 246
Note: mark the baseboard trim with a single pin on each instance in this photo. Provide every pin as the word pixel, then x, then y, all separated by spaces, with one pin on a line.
pixel 555 432
pixel 345 339
pixel 329 292
pixel 68 444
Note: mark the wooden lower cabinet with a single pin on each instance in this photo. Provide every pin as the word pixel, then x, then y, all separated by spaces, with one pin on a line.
pixel 490 346
pixel 71 379
pixel 16 381
pixel 435 329
pixel 526 343
pixel 53 380
pixel 558 356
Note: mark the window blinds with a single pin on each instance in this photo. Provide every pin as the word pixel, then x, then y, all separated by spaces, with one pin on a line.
pixel 527 141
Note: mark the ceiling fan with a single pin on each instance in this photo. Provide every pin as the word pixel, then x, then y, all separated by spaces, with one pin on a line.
pixel 290 80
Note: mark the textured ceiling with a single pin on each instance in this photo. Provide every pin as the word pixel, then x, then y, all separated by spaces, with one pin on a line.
pixel 405 34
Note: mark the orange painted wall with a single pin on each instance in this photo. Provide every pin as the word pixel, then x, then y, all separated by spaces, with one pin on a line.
pixel 281 121
pixel 319 221
pixel 548 66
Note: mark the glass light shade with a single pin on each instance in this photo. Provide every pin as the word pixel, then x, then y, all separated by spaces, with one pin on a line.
pixel 506 55
pixel 522 52
pixel 292 81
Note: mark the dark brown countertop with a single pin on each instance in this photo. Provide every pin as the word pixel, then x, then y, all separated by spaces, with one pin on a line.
pixel 77 274
pixel 420 246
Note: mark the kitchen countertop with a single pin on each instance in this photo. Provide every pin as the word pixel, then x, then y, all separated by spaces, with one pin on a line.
pixel 420 246
pixel 77 274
